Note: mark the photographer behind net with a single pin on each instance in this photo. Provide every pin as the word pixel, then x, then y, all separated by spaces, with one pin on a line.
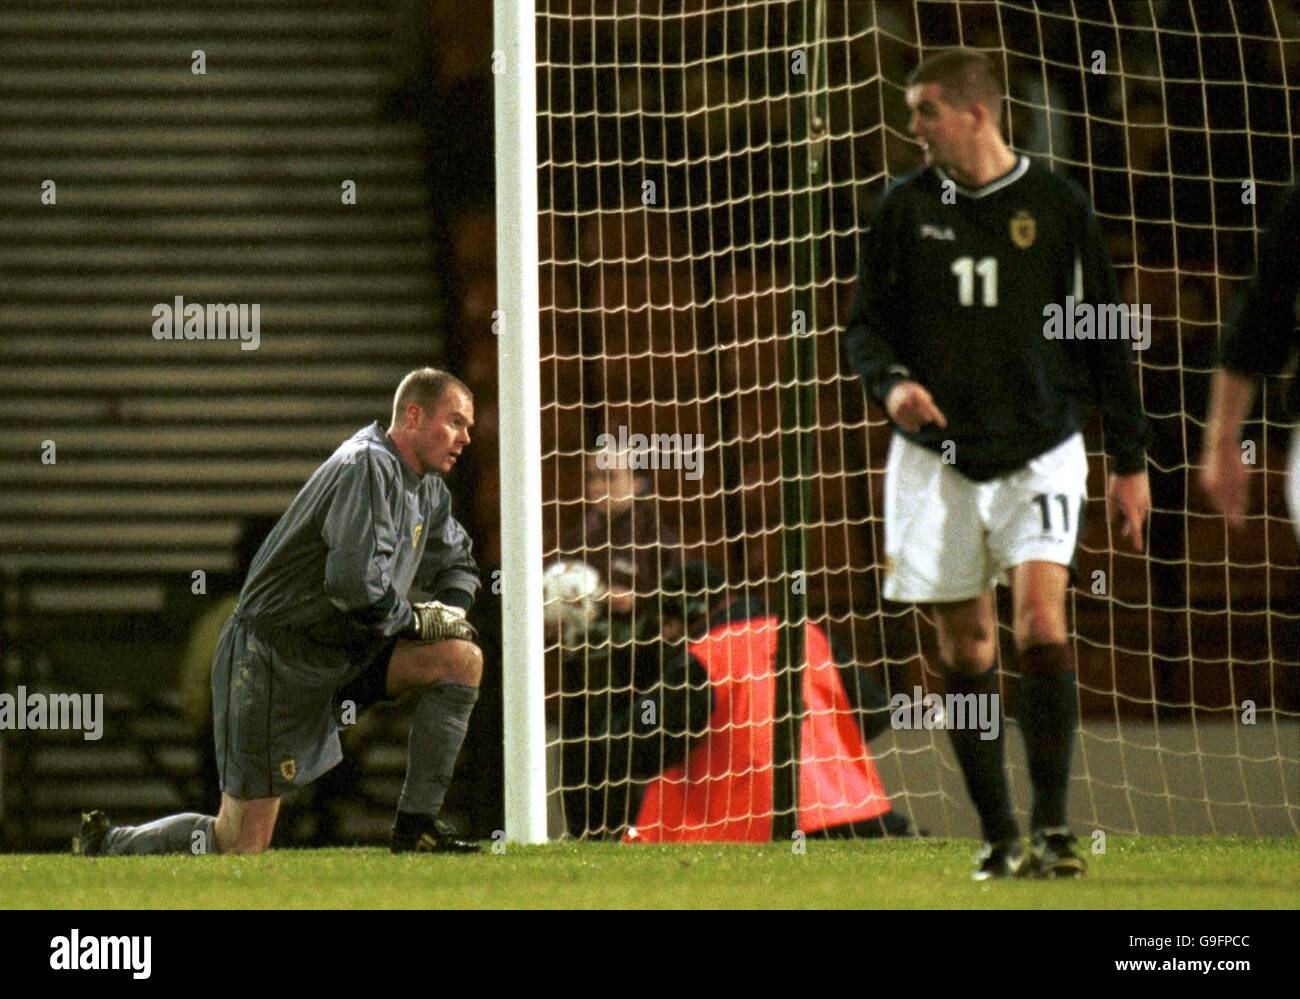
pixel 701 713
pixel 622 539
pixel 677 746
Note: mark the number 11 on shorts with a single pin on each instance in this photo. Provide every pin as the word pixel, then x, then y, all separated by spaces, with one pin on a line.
pixel 1045 508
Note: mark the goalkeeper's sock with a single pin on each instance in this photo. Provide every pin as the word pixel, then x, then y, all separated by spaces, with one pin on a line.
pixel 188 832
pixel 981 759
pixel 441 719
pixel 1049 711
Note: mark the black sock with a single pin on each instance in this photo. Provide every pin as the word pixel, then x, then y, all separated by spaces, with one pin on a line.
pixel 409 823
pixel 1049 712
pixel 981 761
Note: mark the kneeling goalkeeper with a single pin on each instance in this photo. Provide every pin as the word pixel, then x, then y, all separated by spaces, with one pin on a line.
pixel 323 620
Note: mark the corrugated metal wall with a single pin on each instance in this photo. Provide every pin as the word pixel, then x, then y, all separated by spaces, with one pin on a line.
pixel 222 187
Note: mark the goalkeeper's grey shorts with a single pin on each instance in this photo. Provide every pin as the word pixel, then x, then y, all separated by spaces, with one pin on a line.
pixel 276 706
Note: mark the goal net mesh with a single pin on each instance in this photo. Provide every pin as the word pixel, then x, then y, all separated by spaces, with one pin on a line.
pixel 674 140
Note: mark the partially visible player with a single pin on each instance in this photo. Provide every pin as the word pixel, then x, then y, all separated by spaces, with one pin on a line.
pixel 987 473
pixel 324 619
pixel 1260 339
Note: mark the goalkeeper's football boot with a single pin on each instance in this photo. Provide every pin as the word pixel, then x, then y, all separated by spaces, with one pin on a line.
pixel 437 837
pixel 1052 855
pixel 1005 859
pixel 89 840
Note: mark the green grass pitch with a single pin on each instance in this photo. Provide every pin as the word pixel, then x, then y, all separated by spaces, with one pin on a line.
pixel 1134 873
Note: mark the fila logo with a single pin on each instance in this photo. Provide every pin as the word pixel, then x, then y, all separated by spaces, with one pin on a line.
pixel 935 232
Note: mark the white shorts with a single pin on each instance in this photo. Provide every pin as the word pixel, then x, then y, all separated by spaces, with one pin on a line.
pixel 948 538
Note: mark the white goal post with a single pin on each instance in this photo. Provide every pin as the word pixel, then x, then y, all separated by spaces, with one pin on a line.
pixel 514 68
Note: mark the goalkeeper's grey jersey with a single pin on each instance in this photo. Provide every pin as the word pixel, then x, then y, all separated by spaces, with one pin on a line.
pixel 339 564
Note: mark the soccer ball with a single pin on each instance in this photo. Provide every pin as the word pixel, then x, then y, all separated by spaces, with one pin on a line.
pixel 571 591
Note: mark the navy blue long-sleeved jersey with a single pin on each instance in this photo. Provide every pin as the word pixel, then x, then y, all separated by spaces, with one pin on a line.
pixel 952 295
pixel 1261 334
pixel 364 529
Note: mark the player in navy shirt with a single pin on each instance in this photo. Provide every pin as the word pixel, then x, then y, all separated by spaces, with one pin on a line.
pixel 986 324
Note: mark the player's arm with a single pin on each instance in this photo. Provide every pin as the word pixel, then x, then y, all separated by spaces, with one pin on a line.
pixel 358 531
pixel 1110 362
pixel 1113 382
pixel 1224 475
pixel 877 317
pixel 447 569
pixel 1259 340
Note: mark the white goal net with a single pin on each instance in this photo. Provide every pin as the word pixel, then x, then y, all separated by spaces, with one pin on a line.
pixel 706 171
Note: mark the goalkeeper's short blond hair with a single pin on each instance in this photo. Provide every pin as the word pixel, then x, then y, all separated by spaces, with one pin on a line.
pixel 424 387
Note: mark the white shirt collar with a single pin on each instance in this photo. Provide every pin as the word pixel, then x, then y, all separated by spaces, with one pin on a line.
pixel 1011 177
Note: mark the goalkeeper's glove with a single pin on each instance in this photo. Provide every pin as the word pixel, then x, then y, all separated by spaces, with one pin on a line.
pixel 436 622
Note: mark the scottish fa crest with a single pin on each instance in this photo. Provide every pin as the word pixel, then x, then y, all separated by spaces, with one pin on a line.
pixel 289 768
pixel 1023 230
